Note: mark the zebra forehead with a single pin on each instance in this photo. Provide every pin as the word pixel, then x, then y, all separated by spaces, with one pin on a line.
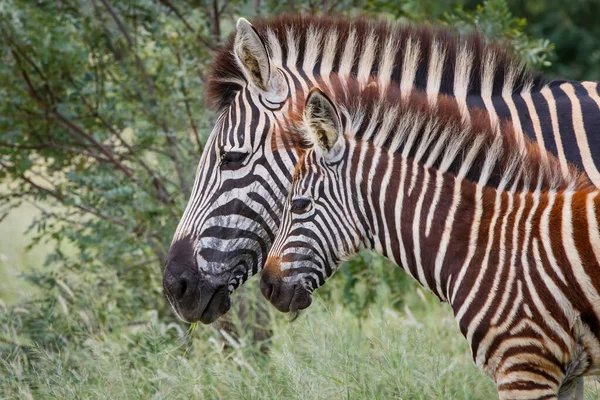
pixel 387 44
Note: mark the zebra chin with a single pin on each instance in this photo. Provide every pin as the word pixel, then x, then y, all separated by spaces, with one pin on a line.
pixel 286 296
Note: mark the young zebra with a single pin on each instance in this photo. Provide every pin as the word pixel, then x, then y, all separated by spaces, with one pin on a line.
pixel 511 243
pixel 243 177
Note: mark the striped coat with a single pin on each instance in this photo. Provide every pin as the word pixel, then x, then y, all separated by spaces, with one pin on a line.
pixel 487 222
pixel 244 174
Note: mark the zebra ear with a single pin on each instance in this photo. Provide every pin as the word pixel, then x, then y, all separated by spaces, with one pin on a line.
pixel 252 56
pixel 323 121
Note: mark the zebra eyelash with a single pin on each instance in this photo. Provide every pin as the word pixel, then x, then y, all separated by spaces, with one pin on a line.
pixel 233 158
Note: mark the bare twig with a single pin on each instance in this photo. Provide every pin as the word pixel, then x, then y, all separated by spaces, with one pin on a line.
pixel 215 22
pixel 325 6
pixel 52 145
pixel 170 138
pixel 187 103
pixel 16 48
pixel 61 119
pixel 163 195
pixel 178 14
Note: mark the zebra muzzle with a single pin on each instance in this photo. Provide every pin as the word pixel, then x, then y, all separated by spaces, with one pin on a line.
pixel 194 299
pixel 193 295
pixel 284 295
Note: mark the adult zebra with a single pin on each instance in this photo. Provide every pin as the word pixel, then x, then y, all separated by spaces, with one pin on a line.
pixel 499 233
pixel 244 175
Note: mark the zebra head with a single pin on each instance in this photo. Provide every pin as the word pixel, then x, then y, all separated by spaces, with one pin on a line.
pixel 318 229
pixel 233 212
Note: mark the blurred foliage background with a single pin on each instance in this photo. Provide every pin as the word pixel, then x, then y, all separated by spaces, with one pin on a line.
pixel 102 122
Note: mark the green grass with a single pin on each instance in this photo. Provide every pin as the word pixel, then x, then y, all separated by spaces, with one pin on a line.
pixel 326 354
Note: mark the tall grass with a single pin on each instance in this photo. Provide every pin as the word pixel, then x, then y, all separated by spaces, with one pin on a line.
pixel 327 353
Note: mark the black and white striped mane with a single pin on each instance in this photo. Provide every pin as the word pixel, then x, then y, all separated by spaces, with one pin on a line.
pixel 225 78
pixel 386 119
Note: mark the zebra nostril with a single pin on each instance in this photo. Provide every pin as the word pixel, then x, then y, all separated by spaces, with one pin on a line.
pixel 266 288
pixel 269 291
pixel 183 285
pixel 180 287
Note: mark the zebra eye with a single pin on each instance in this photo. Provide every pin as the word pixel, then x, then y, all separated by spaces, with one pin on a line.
pixel 232 158
pixel 300 206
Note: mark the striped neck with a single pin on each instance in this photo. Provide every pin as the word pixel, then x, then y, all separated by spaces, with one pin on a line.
pixel 441 228
pixel 510 262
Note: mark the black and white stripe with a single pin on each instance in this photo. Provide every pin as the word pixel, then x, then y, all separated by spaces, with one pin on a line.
pixel 235 208
pixel 514 245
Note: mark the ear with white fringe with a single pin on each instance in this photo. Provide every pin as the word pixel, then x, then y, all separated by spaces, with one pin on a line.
pixel 324 125
pixel 252 56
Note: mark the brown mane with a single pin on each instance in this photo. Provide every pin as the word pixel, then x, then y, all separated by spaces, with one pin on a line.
pixel 225 77
pixel 354 99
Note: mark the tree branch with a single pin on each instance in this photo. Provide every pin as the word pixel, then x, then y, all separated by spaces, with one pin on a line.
pixel 131 43
pixel 61 119
pixel 170 5
pixel 215 22
pixel 61 198
pixel 187 103
pixel 16 48
pixel 157 178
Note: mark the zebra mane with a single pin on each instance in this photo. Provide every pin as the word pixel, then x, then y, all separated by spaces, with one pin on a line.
pixel 371 47
pixel 436 134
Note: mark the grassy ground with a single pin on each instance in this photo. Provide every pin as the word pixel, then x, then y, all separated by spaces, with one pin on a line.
pixel 327 353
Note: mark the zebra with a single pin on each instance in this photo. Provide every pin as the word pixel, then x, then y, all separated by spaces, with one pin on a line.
pixel 244 173
pixel 486 222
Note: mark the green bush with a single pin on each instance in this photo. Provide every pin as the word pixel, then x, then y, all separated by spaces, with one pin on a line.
pixel 102 121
